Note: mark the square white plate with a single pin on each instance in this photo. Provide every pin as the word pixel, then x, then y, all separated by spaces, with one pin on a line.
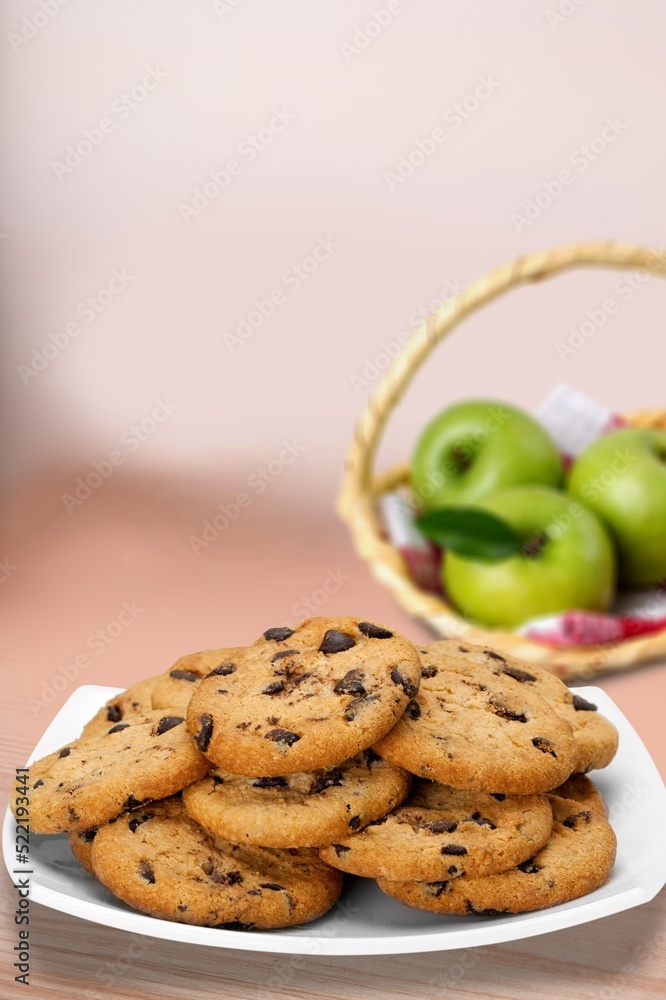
pixel 365 921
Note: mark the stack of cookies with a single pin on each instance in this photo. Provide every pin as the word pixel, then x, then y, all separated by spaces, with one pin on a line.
pixel 236 788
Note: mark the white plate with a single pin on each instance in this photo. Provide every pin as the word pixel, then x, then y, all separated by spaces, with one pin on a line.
pixel 365 921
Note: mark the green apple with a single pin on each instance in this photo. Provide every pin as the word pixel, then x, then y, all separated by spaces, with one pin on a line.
pixel 479 447
pixel 622 477
pixel 567 561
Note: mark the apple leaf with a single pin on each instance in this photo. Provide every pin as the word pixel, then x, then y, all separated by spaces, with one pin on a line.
pixel 470 532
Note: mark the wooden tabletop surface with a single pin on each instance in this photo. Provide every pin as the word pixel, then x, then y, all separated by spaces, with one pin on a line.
pixel 132 546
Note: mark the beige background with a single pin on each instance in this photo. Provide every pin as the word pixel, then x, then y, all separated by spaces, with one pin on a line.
pixel 305 373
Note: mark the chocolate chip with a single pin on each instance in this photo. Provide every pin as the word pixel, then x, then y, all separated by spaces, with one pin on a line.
pixel 274 687
pixel 119 728
pixel 571 821
pixel 452 870
pixel 282 736
pixel 131 803
pixel 205 732
pixel 413 710
pixel 407 686
pixel 351 683
pixel 541 743
pixel 453 849
pixel 489 653
pixel 330 779
pixel 88 835
pixel 529 867
pixel 136 821
pixel 272 885
pixel 351 710
pixel 65 752
pixel 482 821
pixel 518 675
pixel 269 783
pixel 278 634
pixel 436 888
pixel 113 713
pixel 505 712
pixel 145 871
pixel 217 779
pixel 184 675
pixel 355 821
pixel 222 670
pixel 38 783
pixel 374 631
pixel 168 722
pixel 582 705
pixel 340 849
pixel 378 822
pixel 182 907
pixel 463 649
pixel 233 878
pixel 500 796
pixel 370 757
pixel 429 671
pixel 442 826
pixel 488 912
pixel 336 642
pixel 283 653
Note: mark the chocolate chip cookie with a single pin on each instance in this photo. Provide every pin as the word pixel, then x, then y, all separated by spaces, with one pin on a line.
pixel 581 789
pixel 577 859
pixel 475 727
pixel 89 782
pixel 160 861
pixel 442 832
pixel 298 810
pixel 595 736
pixel 304 698
pixel 174 689
pixel 135 701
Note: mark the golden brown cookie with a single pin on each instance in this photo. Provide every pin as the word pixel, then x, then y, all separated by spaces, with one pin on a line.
pixel 81 845
pixel 442 832
pixel 472 726
pixel 89 782
pixel 304 698
pixel 577 859
pixel 160 861
pixel 174 688
pixel 135 701
pixel 307 809
pixel 581 789
pixel 595 735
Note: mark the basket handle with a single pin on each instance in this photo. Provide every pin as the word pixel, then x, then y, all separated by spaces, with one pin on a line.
pixel 356 497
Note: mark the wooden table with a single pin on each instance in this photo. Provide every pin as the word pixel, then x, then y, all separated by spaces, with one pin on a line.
pixel 131 544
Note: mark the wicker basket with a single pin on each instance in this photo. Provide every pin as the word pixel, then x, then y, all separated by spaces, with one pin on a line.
pixel 361 488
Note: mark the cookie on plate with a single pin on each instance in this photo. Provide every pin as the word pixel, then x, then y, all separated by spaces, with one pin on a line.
pixel 129 704
pixel 174 688
pixel 577 859
pixel 160 861
pixel 595 735
pixel 476 728
pixel 304 698
pixel 307 809
pixel 89 782
pixel 81 845
pixel 442 832
pixel 581 789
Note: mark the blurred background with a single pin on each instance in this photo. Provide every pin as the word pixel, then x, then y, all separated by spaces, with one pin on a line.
pixel 218 221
